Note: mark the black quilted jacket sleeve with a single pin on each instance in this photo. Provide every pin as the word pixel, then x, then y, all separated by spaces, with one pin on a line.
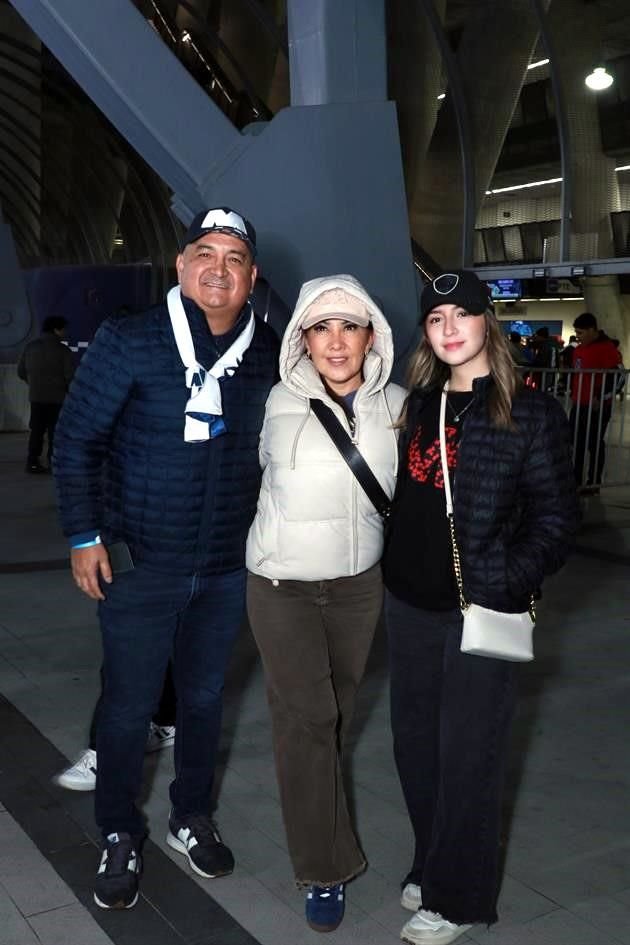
pixel 515 503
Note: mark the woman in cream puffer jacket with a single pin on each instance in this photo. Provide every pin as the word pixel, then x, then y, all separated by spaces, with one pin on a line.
pixel 313 552
pixel 313 521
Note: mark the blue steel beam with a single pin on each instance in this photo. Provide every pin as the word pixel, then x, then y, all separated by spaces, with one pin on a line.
pixel 337 51
pixel 128 72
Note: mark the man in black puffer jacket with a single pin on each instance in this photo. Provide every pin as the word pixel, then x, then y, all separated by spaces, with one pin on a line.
pixel 157 473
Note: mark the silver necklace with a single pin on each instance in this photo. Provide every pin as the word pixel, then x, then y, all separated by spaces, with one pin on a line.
pixel 460 413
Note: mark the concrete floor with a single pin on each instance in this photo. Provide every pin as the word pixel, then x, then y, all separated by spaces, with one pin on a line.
pixel 567 811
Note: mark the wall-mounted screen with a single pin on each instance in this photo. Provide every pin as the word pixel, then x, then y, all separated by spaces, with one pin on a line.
pixel 508 289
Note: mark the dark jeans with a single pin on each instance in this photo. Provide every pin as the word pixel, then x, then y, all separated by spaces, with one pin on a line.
pixel 594 442
pixel 314 638
pixel 451 715
pixel 43 421
pixel 146 617
pixel 164 714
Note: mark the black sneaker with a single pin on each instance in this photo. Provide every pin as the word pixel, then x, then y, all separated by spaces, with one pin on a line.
pixel 116 885
pixel 198 838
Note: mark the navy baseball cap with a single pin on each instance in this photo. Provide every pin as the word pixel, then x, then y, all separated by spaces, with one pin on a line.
pixel 221 220
pixel 458 287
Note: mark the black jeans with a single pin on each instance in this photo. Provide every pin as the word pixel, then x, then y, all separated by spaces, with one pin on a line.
pixel 43 421
pixel 451 715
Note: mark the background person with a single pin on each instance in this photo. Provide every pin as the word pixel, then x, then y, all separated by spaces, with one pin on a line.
pixel 165 406
pixel 314 591
pixel 47 366
pixel 515 512
pixel 594 350
pixel 517 349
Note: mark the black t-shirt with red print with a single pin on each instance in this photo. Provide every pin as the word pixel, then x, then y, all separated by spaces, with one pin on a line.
pixel 418 562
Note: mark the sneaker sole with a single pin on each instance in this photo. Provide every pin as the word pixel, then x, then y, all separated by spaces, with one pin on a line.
pixel 181 848
pixel 323 928
pixel 118 905
pixel 76 786
pixel 438 937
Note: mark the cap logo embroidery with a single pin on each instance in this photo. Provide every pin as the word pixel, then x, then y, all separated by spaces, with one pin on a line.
pixel 220 219
pixel 449 281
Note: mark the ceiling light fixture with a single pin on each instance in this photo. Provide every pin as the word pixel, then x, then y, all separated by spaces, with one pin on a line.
pixel 533 183
pixel 599 79
pixel 539 183
pixel 538 64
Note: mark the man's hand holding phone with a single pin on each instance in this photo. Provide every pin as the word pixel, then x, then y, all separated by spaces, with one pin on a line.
pixel 87 565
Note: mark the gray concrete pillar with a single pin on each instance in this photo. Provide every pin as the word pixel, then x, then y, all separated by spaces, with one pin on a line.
pixel 602 298
pixel 415 81
pixel 577 30
pixel 493 53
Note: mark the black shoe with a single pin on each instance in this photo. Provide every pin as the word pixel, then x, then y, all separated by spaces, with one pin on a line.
pixel 36 468
pixel 116 885
pixel 198 838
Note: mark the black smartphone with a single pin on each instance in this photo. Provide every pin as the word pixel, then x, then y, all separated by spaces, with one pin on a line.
pixel 120 557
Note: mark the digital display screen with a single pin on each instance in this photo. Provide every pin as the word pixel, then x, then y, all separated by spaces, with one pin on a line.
pixel 505 288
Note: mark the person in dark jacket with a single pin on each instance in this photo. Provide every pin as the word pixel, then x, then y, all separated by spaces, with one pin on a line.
pixel 47 366
pixel 515 512
pixel 157 473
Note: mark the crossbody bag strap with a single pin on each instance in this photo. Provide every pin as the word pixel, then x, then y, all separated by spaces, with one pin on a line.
pixel 364 475
pixel 457 567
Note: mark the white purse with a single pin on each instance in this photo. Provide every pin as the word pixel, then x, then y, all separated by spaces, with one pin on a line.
pixel 485 632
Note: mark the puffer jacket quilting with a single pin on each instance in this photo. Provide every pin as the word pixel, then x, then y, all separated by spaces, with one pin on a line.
pixel 181 507
pixel 514 501
pixel 313 520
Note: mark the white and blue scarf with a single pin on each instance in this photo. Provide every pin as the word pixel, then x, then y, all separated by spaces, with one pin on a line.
pixel 204 410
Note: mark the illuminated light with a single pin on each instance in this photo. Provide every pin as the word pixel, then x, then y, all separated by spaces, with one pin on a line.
pixel 533 183
pixel 599 79
pixel 538 64
pixel 441 96
pixel 624 167
pixel 186 38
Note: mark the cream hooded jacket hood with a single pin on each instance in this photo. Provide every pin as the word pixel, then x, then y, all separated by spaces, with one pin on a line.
pixel 314 522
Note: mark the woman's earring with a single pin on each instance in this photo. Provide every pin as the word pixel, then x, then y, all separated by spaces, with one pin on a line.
pixel 308 355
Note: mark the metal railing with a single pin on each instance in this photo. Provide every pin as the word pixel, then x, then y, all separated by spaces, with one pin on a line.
pixel 596 402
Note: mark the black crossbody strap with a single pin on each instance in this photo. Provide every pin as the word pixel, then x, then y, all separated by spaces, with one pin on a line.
pixel 365 477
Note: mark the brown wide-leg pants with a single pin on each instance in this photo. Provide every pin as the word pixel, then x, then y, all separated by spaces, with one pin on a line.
pixel 314 638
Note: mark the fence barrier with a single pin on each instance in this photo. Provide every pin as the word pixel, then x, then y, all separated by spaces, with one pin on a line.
pixel 596 403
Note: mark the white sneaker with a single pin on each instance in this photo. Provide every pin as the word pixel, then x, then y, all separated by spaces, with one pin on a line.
pixel 429 928
pixel 160 736
pixel 411 897
pixel 81 776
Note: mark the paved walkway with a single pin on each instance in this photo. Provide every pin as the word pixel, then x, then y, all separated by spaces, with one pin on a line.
pixel 567 852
